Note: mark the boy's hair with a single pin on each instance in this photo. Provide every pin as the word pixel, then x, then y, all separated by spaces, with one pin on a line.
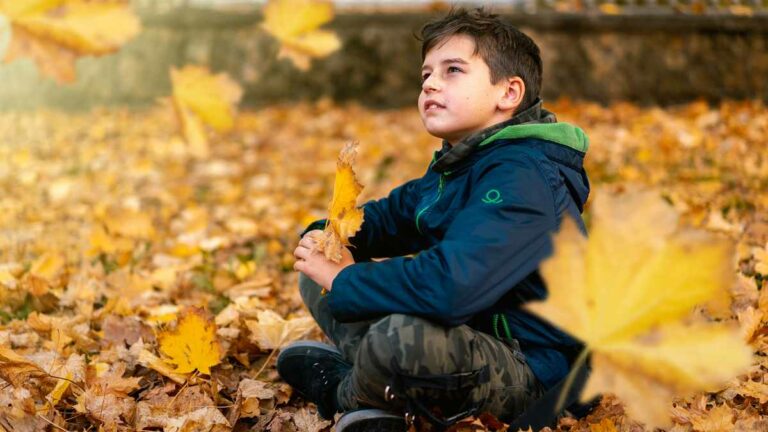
pixel 506 50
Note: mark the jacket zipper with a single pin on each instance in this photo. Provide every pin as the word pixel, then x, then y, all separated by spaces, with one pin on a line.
pixel 439 192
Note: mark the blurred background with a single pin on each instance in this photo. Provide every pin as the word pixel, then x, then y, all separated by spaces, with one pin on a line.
pixel 644 51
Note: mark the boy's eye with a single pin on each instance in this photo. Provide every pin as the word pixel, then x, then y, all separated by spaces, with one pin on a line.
pixel 453 69
pixel 424 77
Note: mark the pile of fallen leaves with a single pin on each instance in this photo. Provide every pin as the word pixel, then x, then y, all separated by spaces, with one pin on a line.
pixel 146 287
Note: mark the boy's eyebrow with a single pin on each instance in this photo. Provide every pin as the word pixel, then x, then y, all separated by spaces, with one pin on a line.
pixel 449 61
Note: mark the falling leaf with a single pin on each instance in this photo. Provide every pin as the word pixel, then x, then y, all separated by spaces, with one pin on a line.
pixel 624 292
pixel 202 98
pixel 294 23
pixel 54 33
pixel 271 331
pixel 192 345
pixel 345 218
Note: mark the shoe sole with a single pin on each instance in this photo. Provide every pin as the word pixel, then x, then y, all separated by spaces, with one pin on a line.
pixel 370 420
pixel 307 344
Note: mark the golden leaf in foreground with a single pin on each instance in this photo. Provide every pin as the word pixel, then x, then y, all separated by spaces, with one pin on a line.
pixel 192 344
pixel 55 32
pixel 625 292
pixel 294 23
pixel 344 218
pixel 200 97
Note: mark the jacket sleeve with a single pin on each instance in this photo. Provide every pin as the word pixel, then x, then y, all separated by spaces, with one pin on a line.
pixel 388 228
pixel 489 247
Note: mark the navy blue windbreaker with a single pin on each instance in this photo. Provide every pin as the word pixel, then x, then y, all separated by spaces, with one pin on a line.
pixel 479 222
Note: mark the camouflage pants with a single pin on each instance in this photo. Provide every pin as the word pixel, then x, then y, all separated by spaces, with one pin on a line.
pixel 403 345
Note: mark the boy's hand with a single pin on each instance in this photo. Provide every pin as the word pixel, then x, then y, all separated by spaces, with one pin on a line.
pixel 315 265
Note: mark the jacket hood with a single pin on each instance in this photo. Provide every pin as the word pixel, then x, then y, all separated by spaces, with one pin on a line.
pixel 562 143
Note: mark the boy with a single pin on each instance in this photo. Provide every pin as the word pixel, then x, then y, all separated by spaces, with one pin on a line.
pixel 442 334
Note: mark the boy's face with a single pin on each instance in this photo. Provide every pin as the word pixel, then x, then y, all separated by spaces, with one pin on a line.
pixel 457 97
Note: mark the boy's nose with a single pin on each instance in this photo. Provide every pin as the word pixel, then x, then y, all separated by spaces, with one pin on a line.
pixel 430 84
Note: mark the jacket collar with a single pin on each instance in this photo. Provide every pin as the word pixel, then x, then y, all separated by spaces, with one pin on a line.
pixel 449 156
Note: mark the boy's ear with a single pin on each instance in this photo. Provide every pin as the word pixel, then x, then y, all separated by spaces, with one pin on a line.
pixel 513 94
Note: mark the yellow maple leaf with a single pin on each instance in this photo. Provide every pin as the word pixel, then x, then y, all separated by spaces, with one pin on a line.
pixel 344 218
pixel 199 98
pixel 55 32
pixel 625 291
pixel 294 23
pixel 192 344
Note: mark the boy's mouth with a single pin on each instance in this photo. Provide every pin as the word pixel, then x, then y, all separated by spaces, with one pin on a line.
pixel 432 105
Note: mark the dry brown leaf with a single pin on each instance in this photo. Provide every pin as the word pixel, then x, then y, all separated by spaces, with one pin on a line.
pixel 309 422
pixel 252 394
pixel 191 410
pixel 270 331
pixel 717 419
pixel 18 371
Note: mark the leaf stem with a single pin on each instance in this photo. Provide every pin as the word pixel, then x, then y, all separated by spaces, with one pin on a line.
pixel 580 360
pixel 266 362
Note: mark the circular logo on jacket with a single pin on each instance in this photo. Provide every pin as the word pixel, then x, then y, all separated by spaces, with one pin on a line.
pixel 493 196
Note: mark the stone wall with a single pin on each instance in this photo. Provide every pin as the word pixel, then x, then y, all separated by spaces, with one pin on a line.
pixel 662 59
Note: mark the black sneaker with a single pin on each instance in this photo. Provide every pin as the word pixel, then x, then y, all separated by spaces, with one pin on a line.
pixel 371 420
pixel 314 370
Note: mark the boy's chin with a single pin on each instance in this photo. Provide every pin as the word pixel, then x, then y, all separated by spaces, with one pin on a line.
pixel 444 135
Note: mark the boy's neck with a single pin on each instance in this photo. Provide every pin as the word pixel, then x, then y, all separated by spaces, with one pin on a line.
pixel 533 114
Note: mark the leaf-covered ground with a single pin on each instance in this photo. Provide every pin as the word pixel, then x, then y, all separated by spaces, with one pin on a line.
pixel 109 227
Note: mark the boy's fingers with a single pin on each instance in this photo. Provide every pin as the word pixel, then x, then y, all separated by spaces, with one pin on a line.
pixel 301 252
pixel 306 241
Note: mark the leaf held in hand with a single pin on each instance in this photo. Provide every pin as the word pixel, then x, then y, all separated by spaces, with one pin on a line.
pixel 345 218
pixel 192 344
pixel 294 23
pixel 625 291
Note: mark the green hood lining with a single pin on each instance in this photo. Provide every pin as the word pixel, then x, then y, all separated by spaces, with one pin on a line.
pixel 561 133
